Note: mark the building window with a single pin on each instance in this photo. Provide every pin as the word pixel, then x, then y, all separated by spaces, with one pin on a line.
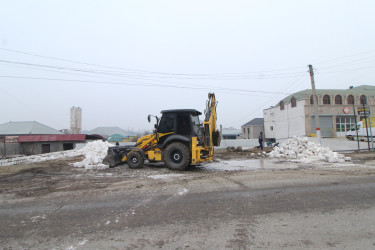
pixel 293 102
pixel 271 128
pixel 350 99
pixel 312 99
pixel 244 131
pixel 363 99
pixel 326 99
pixel 338 99
pixel 282 105
pixel 344 124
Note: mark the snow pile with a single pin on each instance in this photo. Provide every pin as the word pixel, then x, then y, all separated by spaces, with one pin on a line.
pixel 301 150
pixel 39 158
pixel 94 153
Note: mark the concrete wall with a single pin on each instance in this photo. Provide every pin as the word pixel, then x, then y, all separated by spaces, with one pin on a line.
pixel 251 132
pixel 269 123
pixel 245 143
pixel 335 110
pixel 30 148
pixel 290 121
pixel 11 149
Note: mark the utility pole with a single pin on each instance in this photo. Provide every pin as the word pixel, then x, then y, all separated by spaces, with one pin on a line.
pixel 315 101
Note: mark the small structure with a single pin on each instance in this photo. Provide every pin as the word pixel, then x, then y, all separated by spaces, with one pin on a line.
pixel 75 120
pixel 252 129
pixel 118 138
pixel 231 133
pixel 31 137
pixel 108 132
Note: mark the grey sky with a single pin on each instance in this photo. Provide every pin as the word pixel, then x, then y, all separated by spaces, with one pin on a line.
pixel 194 47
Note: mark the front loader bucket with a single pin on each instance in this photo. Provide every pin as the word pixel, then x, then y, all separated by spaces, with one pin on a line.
pixel 110 161
pixel 115 155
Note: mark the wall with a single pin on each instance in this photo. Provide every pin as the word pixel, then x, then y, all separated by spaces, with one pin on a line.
pixel 245 143
pixel 269 121
pixel 11 149
pixel 255 131
pixel 290 121
pixel 332 109
pixel 251 132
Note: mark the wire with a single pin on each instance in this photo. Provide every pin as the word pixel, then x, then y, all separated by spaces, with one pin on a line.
pixel 113 73
pixel 139 84
pixel 149 72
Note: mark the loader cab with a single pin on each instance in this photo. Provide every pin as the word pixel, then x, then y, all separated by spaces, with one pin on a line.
pixel 183 122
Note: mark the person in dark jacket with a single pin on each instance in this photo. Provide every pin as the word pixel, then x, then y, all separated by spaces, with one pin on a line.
pixel 260 139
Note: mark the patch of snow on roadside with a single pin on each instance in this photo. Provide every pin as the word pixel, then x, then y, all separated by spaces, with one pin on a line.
pixel 233 165
pixel 183 192
pixel 164 176
pixel 94 153
pixel 302 150
pixel 39 158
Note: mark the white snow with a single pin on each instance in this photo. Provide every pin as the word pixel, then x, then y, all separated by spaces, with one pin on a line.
pixel 183 192
pixel 94 153
pixel 302 150
pixel 164 176
pixel 39 158
pixel 233 165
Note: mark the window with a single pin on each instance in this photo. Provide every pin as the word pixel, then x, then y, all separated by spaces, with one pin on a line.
pixel 312 100
pixel 350 99
pixel 344 124
pixel 271 128
pixel 293 102
pixel 326 99
pixel 338 99
pixel 282 105
pixel 363 100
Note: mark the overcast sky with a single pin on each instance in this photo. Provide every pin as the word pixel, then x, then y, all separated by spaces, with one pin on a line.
pixel 122 60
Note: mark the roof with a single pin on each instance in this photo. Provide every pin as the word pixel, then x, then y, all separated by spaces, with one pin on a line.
pixel 116 137
pixel 367 90
pixel 230 131
pixel 26 128
pixel 107 131
pixel 191 111
pixel 256 122
pixel 45 138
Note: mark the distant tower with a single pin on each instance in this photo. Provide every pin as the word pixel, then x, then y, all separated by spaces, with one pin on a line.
pixel 75 120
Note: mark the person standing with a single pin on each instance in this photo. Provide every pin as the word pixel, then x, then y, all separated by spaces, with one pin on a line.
pixel 260 139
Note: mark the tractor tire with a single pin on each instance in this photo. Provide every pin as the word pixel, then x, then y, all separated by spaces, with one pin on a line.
pixel 177 156
pixel 135 159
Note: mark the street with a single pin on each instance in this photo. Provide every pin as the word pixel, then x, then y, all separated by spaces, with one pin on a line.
pixel 294 208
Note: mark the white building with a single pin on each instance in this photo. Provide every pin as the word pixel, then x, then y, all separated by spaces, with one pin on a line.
pixel 294 115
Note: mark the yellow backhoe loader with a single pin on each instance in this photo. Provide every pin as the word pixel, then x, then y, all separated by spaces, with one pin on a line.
pixel 179 140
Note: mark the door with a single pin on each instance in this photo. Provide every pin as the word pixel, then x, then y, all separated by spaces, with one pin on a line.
pixel 46 148
pixel 326 125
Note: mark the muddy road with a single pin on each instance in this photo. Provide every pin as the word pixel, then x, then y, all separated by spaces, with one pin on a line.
pixel 51 205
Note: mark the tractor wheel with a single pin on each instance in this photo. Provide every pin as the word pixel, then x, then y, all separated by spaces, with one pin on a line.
pixel 177 156
pixel 135 159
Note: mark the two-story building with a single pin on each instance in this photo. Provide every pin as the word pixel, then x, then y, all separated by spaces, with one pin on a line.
pixel 294 115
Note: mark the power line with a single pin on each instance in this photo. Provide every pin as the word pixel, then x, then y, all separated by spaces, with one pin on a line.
pixel 149 72
pixel 127 74
pixel 140 84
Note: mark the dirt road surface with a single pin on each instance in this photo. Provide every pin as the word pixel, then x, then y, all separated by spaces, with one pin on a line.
pixel 52 205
